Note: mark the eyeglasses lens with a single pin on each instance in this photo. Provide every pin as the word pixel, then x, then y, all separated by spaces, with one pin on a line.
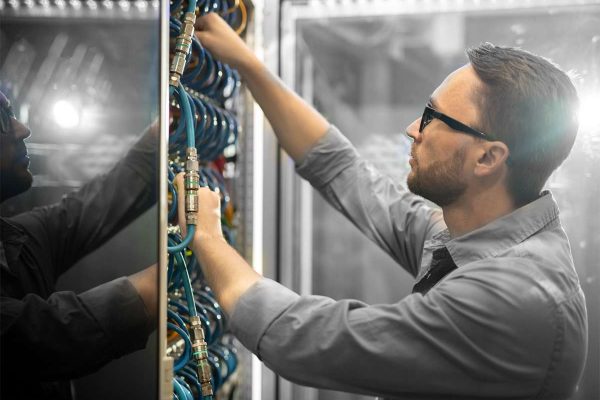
pixel 6 114
pixel 425 119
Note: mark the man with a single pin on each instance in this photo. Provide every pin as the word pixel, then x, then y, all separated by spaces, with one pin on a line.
pixel 49 337
pixel 497 310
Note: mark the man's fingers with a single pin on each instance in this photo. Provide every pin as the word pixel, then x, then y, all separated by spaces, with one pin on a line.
pixel 200 22
pixel 179 180
pixel 204 21
pixel 209 198
pixel 202 36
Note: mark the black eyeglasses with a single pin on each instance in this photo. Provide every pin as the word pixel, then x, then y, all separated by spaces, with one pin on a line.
pixel 429 114
pixel 6 116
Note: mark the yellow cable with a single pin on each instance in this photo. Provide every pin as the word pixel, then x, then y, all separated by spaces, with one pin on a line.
pixel 231 9
pixel 242 26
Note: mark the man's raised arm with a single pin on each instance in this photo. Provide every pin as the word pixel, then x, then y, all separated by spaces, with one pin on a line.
pixel 297 125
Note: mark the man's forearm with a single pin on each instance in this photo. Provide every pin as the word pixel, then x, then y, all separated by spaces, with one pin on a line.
pixel 145 282
pixel 297 125
pixel 226 272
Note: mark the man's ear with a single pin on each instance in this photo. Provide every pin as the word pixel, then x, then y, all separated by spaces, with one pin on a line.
pixel 492 157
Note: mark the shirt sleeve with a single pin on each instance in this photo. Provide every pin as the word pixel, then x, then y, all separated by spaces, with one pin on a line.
pixel 467 338
pixel 70 335
pixel 83 220
pixel 388 214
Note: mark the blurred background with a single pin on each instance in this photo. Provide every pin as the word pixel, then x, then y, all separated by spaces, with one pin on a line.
pixel 370 67
pixel 84 76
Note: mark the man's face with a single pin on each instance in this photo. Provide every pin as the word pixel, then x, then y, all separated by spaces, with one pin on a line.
pixel 15 177
pixel 440 155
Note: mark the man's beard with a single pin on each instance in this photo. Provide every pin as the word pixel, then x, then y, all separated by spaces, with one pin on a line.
pixel 14 183
pixel 440 182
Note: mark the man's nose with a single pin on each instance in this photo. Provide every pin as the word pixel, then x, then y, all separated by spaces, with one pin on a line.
pixel 21 131
pixel 412 131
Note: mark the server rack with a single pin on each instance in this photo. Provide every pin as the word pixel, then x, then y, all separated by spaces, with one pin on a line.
pixel 246 192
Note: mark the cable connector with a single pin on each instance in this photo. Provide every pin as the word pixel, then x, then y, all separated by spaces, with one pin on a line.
pixel 192 184
pixel 183 43
pixel 200 353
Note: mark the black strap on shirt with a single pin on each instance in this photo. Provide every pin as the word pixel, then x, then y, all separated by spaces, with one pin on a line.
pixel 441 265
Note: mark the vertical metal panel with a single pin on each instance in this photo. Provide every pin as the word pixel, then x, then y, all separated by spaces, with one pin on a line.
pixel 165 364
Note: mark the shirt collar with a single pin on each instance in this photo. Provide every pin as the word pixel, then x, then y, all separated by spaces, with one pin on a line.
pixel 500 234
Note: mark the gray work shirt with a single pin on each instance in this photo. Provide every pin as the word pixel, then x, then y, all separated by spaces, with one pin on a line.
pixel 510 322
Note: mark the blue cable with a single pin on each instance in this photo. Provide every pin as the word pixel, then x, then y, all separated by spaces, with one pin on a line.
pixel 224 368
pixel 187 389
pixel 173 315
pixel 191 6
pixel 226 355
pixel 216 376
pixel 175 274
pixel 170 267
pixel 175 5
pixel 210 128
pixel 191 377
pixel 203 318
pixel 186 283
pixel 191 229
pixel 187 352
pixel 179 391
pixel 218 322
pixel 173 209
pixel 189 292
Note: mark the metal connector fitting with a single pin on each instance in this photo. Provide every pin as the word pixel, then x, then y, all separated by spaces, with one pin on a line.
pixel 192 179
pixel 183 44
pixel 189 19
pixel 191 162
pixel 178 64
pixel 196 328
pixel 192 184
pixel 200 354
pixel 207 389
pixel 192 165
pixel 191 219
pixel 174 80
pixel 204 375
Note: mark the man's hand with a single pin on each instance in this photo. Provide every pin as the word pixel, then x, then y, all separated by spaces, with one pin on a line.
pixel 226 272
pixel 223 42
pixel 209 212
pixel 297 125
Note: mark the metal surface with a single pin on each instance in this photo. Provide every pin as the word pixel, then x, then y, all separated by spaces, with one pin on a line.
pixel 264 40
pixel 83 10
pixel 164 363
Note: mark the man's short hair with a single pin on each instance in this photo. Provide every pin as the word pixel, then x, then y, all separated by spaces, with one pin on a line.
pixel 531 105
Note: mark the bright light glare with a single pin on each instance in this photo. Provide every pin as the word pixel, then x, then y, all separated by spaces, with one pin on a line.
pixel 589 114
pixel 65 114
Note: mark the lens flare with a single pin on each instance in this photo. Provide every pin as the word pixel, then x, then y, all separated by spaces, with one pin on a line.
pixel 66 115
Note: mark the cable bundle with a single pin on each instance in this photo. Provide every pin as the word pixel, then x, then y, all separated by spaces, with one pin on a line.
pixel 214 130
pixel 202 127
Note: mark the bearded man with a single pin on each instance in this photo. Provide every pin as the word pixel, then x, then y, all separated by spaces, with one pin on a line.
pixel 497 310
pixel 49 337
